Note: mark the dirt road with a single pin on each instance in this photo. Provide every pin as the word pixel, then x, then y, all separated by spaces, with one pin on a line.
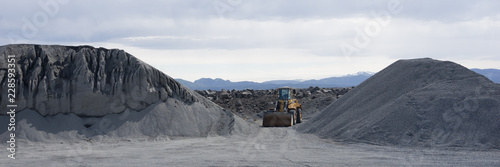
pixel 266 147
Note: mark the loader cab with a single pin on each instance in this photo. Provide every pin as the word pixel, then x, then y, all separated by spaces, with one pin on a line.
pixel 285 93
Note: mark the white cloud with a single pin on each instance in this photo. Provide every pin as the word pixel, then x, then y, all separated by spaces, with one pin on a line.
pixel 256 40
pixel 252 64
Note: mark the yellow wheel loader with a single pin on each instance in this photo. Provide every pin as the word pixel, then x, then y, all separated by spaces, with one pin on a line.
pixel 287 112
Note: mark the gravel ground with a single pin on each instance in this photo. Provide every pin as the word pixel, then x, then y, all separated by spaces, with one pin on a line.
pixel 263 147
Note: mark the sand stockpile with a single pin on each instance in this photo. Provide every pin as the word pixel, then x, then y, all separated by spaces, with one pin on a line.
pixel 75 93
pixel 421 102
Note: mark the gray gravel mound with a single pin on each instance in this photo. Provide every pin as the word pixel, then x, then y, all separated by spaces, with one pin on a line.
pixel 420 102
pixel 81 92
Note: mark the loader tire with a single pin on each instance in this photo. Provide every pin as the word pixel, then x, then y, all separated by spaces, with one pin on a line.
pixel 299 116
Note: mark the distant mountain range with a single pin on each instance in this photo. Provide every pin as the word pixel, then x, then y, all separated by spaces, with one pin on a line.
pixel 218 83
pixel 492 74
pixel 344 81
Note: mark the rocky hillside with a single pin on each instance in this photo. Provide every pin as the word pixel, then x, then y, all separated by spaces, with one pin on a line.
pixel 249 104
pixel 82 80
pixel 88 85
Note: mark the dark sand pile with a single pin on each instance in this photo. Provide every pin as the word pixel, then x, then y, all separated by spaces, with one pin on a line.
pixel 74 93
pixel 421 102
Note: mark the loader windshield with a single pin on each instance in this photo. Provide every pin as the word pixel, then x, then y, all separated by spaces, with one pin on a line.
pixel 284 94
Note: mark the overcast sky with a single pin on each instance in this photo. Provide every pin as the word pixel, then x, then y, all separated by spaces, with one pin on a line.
pixel 260 40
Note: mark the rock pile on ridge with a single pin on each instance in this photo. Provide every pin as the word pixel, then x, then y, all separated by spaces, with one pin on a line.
pixel 251 103
pixel 416 103
pixel 86 92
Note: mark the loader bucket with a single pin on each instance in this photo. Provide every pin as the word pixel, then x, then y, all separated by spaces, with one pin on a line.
pixel 274 119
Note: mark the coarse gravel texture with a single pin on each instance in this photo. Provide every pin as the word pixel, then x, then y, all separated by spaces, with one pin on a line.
pixel 416 103
pixel 265 147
